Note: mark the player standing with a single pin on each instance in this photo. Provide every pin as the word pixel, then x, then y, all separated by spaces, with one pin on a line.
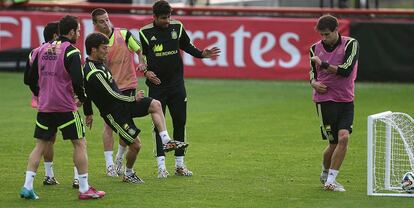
pixel 334 63
pixel 161 43
pixel 50 33
pixel 54 77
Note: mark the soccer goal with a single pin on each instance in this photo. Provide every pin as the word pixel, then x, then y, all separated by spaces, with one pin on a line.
pixel 390 152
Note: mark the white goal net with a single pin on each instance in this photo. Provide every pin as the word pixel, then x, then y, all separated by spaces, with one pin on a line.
pixel 390 152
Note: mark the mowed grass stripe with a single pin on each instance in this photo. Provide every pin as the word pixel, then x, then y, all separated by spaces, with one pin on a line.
pixel 252 144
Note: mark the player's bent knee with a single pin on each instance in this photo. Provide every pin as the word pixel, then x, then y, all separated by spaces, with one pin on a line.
pixel 136 145
pixel 155 104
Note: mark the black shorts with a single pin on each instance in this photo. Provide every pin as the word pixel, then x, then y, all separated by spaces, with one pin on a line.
pixel 121 119
pixel 335 116
pixel 69 123
pixel 140 108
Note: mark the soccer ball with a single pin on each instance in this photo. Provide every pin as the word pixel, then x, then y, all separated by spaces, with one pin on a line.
pixel 407 183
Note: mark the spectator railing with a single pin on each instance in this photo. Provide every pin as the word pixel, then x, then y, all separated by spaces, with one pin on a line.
pixel 222 11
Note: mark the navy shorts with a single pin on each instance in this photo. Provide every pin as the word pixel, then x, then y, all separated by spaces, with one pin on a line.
pixel 335 116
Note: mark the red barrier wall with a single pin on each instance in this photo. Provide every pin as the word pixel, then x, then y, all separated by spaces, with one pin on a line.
pixel 252 47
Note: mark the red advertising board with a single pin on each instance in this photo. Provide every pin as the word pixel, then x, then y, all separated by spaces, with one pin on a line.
pixel 251 47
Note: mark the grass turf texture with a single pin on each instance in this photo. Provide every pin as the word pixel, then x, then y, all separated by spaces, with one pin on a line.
pixel 252 144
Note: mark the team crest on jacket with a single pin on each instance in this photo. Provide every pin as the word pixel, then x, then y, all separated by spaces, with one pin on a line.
pixel 174 35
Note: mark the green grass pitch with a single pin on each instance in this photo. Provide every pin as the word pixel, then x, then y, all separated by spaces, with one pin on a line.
pixel 252 144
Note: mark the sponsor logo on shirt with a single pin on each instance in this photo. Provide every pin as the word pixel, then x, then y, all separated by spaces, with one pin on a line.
pixel 157 48
pixel 50 54
pixel 166 53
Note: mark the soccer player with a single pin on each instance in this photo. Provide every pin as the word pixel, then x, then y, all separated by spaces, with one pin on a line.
pixel 120 60
pixel 54 76
pixel 334 62
pixel 161 43
pixel 118 110
pixel 50 33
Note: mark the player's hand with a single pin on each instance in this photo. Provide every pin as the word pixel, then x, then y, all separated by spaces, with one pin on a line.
pixel 89 121
pixel 316 60
pixel 209 53
pixel 332 70
pixel 140 95
pixel 141 67
pixel 319 87
pixel 78 102
pixel 152 77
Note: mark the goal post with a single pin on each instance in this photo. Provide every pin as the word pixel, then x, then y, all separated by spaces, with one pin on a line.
pixel 390 152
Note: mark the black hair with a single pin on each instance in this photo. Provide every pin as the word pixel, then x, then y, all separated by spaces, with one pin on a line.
pixel 327 22
pixel 161 8
pixel 97 12
pixel 50 29
pixel 94 40
pixel 68 23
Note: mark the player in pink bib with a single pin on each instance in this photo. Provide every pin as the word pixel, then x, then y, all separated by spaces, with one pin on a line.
pixel 55 76
pixel 334 63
